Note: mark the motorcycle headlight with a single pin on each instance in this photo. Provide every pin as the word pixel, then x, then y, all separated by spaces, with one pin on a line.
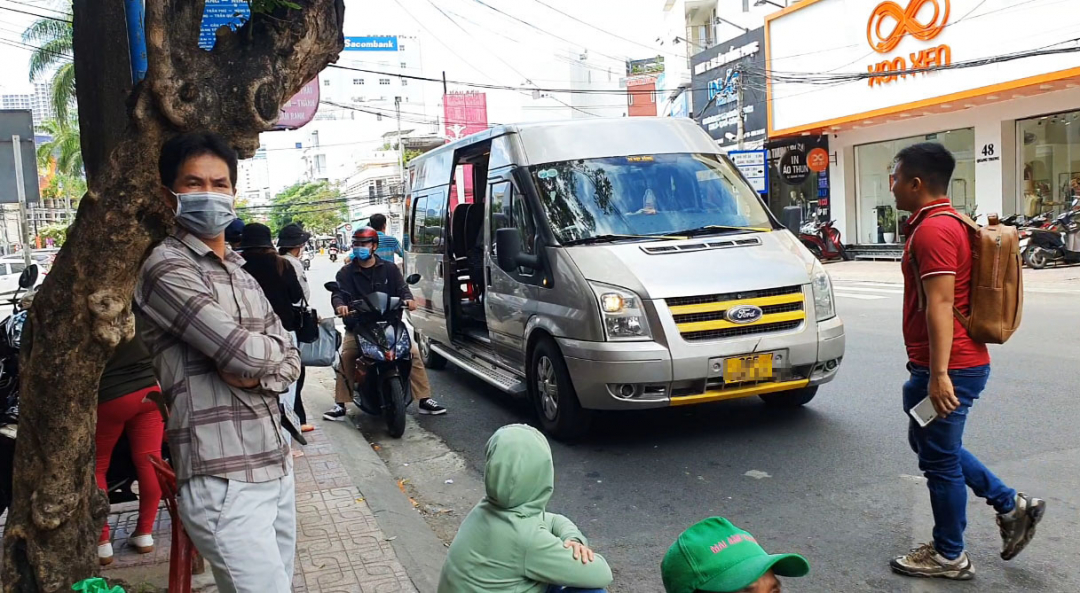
pixel 824 301
pixel 401 349
pixel 622 313
pixel 371 351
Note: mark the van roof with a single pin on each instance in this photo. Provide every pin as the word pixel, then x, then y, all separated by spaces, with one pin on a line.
pixel 553 141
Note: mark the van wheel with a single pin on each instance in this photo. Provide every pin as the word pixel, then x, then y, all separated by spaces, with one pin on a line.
pixel 789 399
pixel 553 395
pixel 430 359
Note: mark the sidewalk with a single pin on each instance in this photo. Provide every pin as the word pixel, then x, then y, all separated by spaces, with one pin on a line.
pixel 339 546
pixel 1059 279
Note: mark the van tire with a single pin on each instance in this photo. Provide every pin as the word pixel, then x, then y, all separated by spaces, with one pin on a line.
pixel 430 359
pixel 559 410
pixel 789 399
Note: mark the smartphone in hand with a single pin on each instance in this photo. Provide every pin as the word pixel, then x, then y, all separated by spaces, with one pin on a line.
pixel 924 412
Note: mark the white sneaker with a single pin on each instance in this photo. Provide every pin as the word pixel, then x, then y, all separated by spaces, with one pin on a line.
pixel 105 554
pixel 924 561
pixel 143 544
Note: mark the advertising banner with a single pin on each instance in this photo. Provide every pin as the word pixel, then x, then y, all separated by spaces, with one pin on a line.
pixel 718 74
pixel 464 114
pixel 799 175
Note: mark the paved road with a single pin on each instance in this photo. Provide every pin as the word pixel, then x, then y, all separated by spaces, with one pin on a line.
pixel 834 481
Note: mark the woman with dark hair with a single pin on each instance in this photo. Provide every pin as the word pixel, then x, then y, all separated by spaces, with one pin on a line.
pixel 292 239
pixel 273 273
pixel 279 283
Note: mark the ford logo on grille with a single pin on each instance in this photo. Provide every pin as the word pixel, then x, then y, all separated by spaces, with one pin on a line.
pixel 743 314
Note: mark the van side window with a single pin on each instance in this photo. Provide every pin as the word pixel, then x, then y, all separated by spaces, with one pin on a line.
pixel 508 210
pixel 419 220
pixel 435 220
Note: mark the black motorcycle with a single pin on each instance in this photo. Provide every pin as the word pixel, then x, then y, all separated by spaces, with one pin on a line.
pixel 333 254
pixel 1060 243
pixel 121 476
pixel 385 360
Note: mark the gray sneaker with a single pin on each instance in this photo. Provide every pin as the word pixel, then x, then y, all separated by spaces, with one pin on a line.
pixel 1018 527
pixel 925 562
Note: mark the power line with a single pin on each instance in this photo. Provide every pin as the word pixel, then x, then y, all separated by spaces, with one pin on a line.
pixel 39 7
pixel 545 32
pixel 606 32
pixel 40 16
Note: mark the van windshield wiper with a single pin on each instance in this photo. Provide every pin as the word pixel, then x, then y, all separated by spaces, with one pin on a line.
pixel 717 230
pixel 612 238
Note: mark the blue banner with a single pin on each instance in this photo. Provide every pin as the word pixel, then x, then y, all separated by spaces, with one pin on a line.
pixel 218 13
pixel 389 43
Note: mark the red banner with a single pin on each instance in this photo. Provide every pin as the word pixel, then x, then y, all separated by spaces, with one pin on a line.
pixel 464 114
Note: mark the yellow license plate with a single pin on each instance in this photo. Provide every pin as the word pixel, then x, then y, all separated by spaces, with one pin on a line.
pixel 742 369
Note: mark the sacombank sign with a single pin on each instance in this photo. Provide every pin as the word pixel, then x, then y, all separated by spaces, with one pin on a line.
pixel 371 44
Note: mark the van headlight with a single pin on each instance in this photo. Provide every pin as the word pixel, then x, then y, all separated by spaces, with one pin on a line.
pixel 622 313
pixel 824 301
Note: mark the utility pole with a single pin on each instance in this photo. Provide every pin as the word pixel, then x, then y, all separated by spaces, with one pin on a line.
pixel 740 134
pixel 400 145
pixel 444 91
pixel 21 191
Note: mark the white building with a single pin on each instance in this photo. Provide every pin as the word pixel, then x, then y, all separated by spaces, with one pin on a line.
pixel 39 102
pixel 1013 124
pixel 585 72
pixel 691 26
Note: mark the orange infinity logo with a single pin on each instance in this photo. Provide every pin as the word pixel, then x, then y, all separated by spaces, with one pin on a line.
pixel 906 23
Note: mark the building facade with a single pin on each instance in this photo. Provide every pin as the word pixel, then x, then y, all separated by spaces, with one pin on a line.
pixel 1008 109
pixel 39 102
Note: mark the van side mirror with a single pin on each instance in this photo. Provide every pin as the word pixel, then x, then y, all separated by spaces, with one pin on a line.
pixel 28 277
pixel 508 248
pixel 412 279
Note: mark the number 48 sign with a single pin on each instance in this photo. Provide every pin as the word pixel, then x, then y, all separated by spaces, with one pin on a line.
pixel 989 154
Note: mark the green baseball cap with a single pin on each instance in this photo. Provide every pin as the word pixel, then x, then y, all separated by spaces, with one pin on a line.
pixel 714 555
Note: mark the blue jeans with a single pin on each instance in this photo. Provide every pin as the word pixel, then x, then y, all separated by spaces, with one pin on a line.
pixel 949 468
pixel 558 589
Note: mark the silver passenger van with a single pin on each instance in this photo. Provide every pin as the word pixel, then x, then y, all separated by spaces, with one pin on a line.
pixel 612 264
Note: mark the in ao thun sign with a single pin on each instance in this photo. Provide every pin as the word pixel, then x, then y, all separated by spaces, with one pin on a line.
pixel 863 36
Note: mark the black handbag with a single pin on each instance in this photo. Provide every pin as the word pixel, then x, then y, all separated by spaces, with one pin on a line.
pixel 307 324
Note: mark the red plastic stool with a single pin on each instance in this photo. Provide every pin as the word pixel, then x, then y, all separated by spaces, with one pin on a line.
pixel 183 558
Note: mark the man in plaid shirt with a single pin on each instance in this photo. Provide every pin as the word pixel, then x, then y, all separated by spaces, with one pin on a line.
pixel 223 359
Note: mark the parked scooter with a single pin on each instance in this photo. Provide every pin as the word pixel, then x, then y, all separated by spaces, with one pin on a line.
pixel 823 240
pixel 1060 243
pixel 382 370
pixel 121 475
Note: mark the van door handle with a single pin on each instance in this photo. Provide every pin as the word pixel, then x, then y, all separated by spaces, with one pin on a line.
pixel 439 270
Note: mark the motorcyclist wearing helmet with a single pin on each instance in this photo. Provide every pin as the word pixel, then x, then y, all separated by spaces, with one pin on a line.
pixel 366 273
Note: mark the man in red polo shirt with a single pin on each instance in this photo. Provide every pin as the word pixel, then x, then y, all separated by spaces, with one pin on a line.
pixel 950 368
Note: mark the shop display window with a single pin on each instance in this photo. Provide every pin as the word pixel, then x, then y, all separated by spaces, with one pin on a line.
pixel 1049 163
pixel 879 222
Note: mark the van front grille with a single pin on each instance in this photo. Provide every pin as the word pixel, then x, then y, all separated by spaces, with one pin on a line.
pixel 705 317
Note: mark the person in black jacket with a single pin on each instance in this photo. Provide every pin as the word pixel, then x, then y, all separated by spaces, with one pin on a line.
pixel 364 274
pixel 273 273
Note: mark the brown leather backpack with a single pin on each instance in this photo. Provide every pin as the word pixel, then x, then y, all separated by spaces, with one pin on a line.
pixel 997 281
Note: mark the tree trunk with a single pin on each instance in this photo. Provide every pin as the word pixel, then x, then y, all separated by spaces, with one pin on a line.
pixel 83 309
pixel 103 72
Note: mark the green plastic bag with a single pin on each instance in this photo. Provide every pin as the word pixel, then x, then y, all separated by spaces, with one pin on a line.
pixel 95 585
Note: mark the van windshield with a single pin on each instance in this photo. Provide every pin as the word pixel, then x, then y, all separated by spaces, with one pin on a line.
pixel 646 195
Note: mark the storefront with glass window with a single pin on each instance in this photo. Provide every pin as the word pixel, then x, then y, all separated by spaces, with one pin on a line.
pixel 1013 125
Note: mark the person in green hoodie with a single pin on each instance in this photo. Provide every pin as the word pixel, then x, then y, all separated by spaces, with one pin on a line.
pixel 509 542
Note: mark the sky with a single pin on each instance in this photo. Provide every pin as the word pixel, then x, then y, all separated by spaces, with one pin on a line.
pixel 468 40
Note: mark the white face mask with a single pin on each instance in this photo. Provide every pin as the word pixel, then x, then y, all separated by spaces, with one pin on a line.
pixel 204 213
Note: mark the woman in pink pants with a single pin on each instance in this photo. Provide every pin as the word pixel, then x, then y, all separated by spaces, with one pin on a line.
pixel 124 406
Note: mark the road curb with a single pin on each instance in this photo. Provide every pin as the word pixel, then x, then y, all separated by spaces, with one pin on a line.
pixel 417 547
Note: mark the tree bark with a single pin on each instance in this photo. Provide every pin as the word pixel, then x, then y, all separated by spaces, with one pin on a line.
pixel 103 74
pixel 83 309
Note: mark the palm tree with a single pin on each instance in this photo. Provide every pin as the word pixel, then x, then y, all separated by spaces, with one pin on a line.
pixel 54 42
pixel 64 147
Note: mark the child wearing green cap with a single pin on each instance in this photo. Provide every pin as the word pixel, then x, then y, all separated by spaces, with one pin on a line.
pixel 714 556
